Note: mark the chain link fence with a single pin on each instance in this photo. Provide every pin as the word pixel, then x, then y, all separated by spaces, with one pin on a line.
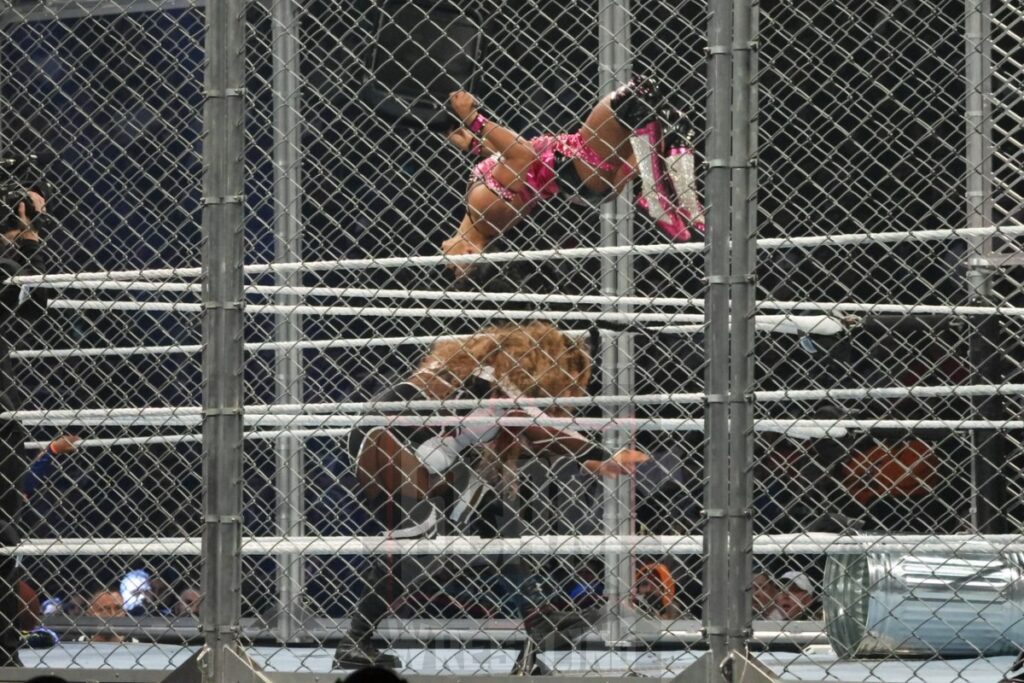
pixel 865 112
pixel 830 487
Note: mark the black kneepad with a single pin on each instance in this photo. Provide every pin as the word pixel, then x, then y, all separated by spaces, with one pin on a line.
pixel 410 436
pixel 398 393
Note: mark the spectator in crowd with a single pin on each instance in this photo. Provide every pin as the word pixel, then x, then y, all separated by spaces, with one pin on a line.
pixel 106 604
pixel 32 611
pixel 374 674
pixel 893 485
pixel 655 591
pixel 795 598
pixel 188 603
pixel 74 606
pixel 52 607
pixel 30 620
pixel 1016 672
pixel 763 593
pixel 145 593
pixel 137 592
pixel 798 482
pixel 21 253
pixel 46 462
pixel 586 589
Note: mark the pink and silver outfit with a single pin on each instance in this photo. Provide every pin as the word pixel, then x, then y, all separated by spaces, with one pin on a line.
pixel 668 184
pixel 540 179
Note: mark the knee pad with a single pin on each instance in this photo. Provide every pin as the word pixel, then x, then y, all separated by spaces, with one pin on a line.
pixel 398 393
pixel 411 436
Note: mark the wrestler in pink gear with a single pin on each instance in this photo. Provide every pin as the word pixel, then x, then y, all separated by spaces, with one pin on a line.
pixel 620 139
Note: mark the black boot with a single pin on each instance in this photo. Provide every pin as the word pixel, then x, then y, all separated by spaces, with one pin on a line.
pixel 356 649
pixel 638 102
pixel 527 663
pixel 677 129
pixel 356 652
pixel 544 625
pixel 548 627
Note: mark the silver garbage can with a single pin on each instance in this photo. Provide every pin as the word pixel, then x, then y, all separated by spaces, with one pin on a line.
pixel 923 605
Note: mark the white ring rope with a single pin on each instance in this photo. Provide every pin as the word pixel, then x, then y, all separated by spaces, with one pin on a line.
pixel 786 324
pixel 768 544
pixel 368 311
pixel 306 309
pixel 827 307
pixel 791 428
pixel 193 419
pixel 332 407
pixel 253 347
pixel 798 428
pixel 297 410
pixel 161 439
pixel 332 432
pixel 938 391
pixel 804 324
pixel 535 255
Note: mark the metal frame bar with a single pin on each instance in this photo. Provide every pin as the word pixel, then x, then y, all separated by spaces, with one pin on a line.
pixel 224 358
pixel 289 371
pixel 716 346
pixel 988 483
pixel 744 668
pixel 614 69
pixel 742 309
pixel 144 676
pixel 416 631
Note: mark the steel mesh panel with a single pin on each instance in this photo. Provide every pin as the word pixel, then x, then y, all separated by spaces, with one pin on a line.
pixel 860 126
pixel 109 101
pixel 371 189
pixel 862 131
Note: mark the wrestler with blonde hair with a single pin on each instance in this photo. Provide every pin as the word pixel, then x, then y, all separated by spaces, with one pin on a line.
pixel 402 468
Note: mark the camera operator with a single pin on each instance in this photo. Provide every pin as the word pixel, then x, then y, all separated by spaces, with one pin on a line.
pixel 22 221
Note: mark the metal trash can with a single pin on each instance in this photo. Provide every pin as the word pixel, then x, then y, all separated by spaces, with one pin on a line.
pixel 924 605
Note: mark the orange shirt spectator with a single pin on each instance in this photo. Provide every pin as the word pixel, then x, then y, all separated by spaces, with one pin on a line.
pixel 655 590
pixel 906 470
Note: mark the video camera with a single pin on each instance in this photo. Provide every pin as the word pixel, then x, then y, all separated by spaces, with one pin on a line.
pixel 19 175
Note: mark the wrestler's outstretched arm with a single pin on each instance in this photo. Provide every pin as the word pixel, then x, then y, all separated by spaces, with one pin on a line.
pixel 559 442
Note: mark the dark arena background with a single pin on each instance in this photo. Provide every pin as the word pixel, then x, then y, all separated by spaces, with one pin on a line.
pixel 819 379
